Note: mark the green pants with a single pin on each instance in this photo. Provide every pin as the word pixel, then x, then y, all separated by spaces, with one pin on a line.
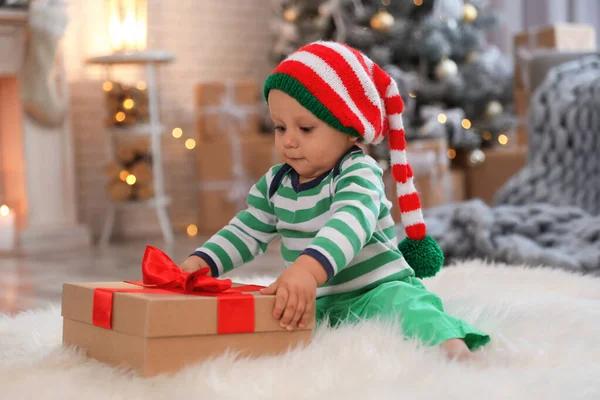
pixel 419 311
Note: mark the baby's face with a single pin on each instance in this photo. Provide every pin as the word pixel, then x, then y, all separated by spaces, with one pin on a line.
pixel 306 143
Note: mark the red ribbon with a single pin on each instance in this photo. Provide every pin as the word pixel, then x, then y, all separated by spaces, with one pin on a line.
pixel 235 308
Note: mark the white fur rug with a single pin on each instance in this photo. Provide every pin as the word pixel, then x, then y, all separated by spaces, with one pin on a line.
pixel 545 327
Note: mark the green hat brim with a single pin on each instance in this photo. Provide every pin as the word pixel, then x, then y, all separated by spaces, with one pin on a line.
pixel 294 88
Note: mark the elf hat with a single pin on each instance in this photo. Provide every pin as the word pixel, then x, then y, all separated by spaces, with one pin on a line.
pixel 345 89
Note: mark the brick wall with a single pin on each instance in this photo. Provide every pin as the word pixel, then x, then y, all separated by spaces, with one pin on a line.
pixel 211 39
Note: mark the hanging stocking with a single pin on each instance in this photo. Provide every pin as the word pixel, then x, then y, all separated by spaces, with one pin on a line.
pixel 39 91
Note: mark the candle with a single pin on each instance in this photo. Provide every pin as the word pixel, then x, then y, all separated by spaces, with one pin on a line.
pixel 7 228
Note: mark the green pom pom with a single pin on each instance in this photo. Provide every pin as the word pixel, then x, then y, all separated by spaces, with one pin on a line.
pixel 424 256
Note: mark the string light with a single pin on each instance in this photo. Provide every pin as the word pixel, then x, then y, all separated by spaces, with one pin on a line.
pixel 192 230
pixel 177 133
pixel 451 154
pixel 190 144
pixel 418 2
pixel 107 86
pixel 487 135
pixel 442 118
pixel 413 95
pixel 503 139
pixel 123 175
pixel 128 104
pixel 466 123
pixel 4 210
pixel 141 85
pixel 120 117
pixel 130 179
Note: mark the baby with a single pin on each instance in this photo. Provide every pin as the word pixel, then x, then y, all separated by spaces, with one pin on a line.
pixel 328 205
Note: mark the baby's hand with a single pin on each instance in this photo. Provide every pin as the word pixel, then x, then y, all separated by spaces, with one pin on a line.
pixel 192 264
pixel 295 292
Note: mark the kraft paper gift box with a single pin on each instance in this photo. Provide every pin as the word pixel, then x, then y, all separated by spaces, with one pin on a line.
pixel 162 328
pixel 521 99
pixel 483 180
pixel 232 153
pixel 217 101
pixel 222 191
pixel 432 176
pixel 562 37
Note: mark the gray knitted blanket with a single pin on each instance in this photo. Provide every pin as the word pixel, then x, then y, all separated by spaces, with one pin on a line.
pixel 563 166
pixel 536 234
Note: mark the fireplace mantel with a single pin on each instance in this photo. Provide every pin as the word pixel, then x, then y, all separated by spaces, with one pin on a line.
pixel 36 162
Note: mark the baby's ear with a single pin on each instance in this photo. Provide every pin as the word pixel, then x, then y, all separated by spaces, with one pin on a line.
pixel 353 139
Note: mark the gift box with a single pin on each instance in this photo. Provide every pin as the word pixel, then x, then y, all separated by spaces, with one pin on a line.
pixel 427 157
pixel 564 37
pixel 448 188
pixel 522 137
pixel 226 171
pixel 433 178
pixel 459 185
pixel 483 180
pixel 521 99
pixel 521 104
pixel 221 103
pixel 171 319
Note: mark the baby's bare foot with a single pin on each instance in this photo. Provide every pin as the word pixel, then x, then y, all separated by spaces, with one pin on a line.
pixel 457 349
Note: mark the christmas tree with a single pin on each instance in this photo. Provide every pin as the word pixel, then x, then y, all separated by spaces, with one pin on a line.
pixel 453 82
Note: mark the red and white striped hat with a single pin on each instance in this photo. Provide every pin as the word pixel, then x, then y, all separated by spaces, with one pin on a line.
pixel 344 88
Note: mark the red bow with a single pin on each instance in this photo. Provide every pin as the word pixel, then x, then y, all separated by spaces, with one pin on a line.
pixel 161 275
pixel 159 271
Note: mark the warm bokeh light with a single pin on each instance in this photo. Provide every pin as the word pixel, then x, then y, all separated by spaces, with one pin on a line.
pixel 120 117
pixel 177 133
pixel 107 86
pixel 130 179
pixel 291 14
pixel 128 104
pixel 192 230
pixel 190 144
pixel 451 154
pixel 442 118
pixel 4 210
pixel 466 123
pixel 503 139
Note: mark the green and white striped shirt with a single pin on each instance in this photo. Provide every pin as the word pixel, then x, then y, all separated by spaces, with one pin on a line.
pixel 341 218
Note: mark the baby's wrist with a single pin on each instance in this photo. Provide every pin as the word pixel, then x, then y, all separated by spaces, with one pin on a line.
pixel 198 260
pixel 314 267
pixel 206 262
